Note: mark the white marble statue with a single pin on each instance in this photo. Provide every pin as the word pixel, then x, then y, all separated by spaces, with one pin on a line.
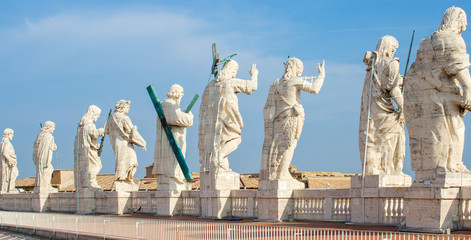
pixel 437 94
pixel 220 122
pixel 384 139
pixel 283 116
pixel 44 146
pixel 87 162
pixel 123 137
pixel 8 163
pixel 166 167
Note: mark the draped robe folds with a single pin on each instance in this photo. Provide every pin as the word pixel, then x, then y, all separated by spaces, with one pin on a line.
pixel 8 164
pixel 86 155
pixel 123 136
pixel 433 96
pixel 386 135
pixel 220 122
pixel 44 146
pixel 165 162
pixel 284 120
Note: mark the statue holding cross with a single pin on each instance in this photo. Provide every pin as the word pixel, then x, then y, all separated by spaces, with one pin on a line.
pixel 220 119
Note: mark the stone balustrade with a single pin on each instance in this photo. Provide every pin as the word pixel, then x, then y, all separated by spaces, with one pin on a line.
pixel 383 206
pixel 322 205
pixel 191 202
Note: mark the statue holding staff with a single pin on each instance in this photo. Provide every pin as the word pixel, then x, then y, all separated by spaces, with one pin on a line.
pixel 87 162
pixel 381 128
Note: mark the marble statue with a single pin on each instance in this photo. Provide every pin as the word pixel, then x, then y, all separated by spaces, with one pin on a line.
pixel 166 167
pixel 384 137
pixel 283 116
pixel 220 122
pixel 437 96
pixel 87 162
pixel 8 163
pixel 123 137
pixel 44 146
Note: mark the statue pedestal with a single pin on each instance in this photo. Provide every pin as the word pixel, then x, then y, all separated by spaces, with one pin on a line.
pixel 380 192
pixel 113 202
pixel 377 181
pixel 87 200
pixel 165 183
pixel 40 202
pixel 432 178
pixel 432 208
pixel 215 193
pixel 433 201
pixel 275 200
pixel 123 186
pixel 168 202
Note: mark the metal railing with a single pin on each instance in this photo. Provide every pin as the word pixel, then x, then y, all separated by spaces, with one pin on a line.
pixel 136 228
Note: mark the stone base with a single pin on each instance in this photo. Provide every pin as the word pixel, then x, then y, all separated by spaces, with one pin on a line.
pixel 40 202
pixel 169 184
pixel 432 208
pixel 87 200
pixel 169 203
pixel 445 179
pixel 113 202
pixel 215 193
pixel 45 190
pixel 223 180
pixel 216 204
pixel 12 191
pixel 275 200
pixel 123 186
pixel 377 181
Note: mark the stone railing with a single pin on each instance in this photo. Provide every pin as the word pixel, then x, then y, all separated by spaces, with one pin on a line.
pixel 63 202
pixel 384 205
pixel 17 202
pixel 392 206
pixel 244 203
pixel 142 202
pixel 191 202
pixel 322 205
pixel 393 211
pixel 465 207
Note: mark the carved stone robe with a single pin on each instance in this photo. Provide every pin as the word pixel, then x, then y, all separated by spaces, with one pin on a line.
pixel 86 155
pixel 283 116
pixel 220 122
pixel 123 136
pixel 386 136
pixel 165 162
pixel 8 164
pixel 44 146
pixel 433 96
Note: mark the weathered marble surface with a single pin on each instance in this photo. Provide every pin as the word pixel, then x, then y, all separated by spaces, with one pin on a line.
pixel 44 146
pixel 383 134
pixel 220 126
pixel 220 122
pixel 284 118
pixel 87 162
pixel 8 163
pixel 123 137
pixel 166 167
pixel 437 94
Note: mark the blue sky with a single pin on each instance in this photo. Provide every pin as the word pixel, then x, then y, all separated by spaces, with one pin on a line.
pixel 59 57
